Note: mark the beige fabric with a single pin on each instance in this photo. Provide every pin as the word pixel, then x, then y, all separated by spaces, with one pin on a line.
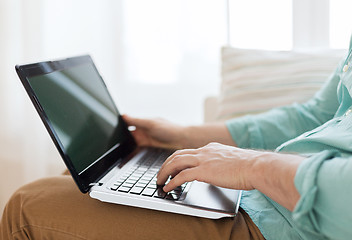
pixel 53 208
pixel 254 81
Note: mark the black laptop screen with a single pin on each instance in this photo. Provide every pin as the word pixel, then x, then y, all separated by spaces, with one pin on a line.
pixel 81 112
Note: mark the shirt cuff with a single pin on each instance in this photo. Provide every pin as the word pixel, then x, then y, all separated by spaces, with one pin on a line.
pixel 306 184
pixel 245 132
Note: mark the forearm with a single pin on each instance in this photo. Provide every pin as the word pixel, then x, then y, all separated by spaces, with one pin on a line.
pixel 199 136
pixel 270 129
pixel 273 174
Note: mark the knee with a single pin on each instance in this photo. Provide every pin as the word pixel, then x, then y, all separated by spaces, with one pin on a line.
pixel 25 194
pixel 12 218
pixel 27 202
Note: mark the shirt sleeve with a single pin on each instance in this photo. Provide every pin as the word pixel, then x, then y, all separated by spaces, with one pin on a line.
pixel 324 183
pixel 271 129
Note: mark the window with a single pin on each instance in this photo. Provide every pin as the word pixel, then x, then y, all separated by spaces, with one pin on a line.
pixel 286 24
pixel 177 41
pixel 261 24
pixel 340 23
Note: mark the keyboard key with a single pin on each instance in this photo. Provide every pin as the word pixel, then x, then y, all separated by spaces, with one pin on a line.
pixel 177 190
pixel 169 197
pixel 124 189
pixel 148 192
pixel 143 185
pixel 132 179
pixel 130 182
pixel 125 176
pixel 137 175
pixel 152 185
pixel 149 175
pixel 136 190
pixel 141 169
pixel 126 184
pixel 160 193
pixel 142 181
pixel 176 196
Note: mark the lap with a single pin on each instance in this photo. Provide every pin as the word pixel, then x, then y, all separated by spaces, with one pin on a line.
pixel 54 208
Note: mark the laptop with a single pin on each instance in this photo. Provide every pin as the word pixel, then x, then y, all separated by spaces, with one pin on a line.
pixel 98 148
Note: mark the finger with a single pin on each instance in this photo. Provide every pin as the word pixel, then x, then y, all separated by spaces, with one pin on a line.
pixel 187 175
pixel 179 164
pixel 137 122
pixel 140 138
pixel 174 155
pixel 177 153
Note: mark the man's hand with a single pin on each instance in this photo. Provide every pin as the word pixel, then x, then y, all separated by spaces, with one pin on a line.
pixel 164 134
pixel 230 167
pixel 156 132
pixel 217 164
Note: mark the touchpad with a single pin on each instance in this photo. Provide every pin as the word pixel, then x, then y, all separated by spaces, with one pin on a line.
pixel 211 197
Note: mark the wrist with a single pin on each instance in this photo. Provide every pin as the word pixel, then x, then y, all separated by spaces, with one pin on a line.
pixel 200 135
pixel 260 168
pixel 196 136
pixel 273 174
pixel 186 140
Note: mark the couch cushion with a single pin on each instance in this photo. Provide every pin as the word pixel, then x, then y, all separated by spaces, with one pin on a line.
pixel 254 81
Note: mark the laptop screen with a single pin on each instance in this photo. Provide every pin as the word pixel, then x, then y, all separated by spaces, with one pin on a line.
pixel 81 115
pixel 80 111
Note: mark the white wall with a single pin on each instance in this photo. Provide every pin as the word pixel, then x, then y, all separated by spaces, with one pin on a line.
pixel 155 63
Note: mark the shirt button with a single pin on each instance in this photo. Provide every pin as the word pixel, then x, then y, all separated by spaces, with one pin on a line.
pixel 345 68
pixel 348 112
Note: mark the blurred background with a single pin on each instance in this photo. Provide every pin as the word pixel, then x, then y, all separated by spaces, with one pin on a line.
pixel 159 58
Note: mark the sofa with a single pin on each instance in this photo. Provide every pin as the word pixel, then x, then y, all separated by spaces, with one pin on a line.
pixel 254 81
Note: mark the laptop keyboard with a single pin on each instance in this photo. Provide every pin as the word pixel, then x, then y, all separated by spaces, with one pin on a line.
pixel 141 178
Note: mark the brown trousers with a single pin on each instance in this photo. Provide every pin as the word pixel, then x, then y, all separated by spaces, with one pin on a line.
pixel 54 208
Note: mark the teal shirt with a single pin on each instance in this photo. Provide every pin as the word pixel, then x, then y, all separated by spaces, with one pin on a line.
pixel 321 130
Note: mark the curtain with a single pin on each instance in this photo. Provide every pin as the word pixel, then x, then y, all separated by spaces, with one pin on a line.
pixel 26 152
pixel 33 31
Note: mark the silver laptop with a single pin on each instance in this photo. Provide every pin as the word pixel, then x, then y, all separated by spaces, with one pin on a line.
pixel 98 148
